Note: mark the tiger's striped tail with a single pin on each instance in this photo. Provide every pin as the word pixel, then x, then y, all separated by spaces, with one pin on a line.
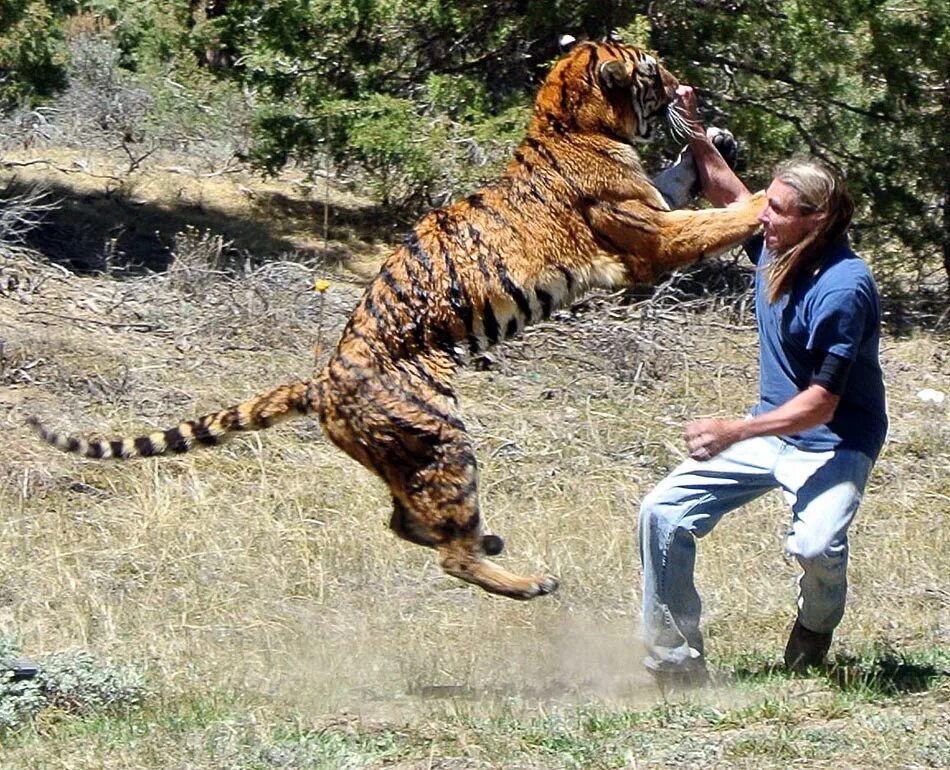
pixel 257 413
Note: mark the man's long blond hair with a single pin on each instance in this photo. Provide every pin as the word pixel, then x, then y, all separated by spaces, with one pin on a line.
pixel 821 190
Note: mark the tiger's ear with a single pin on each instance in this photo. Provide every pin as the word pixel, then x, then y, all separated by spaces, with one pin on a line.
pixel 566 43
pixel 616 74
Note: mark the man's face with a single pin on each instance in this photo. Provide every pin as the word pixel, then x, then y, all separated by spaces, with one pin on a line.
pixel 783 222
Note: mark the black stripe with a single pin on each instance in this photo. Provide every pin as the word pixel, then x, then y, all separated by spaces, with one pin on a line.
pixel 428 378
pixel 344 360
pixel 394 449
pixel 535 192
pixel 496 216
pixel 632 220
pixel 432 411
pixel 549 157
pixel 474 344
pixel 175 441
pixel 450 530
pixel 443 335
pixel 96 450
pixel 413 398
pixel 483 268
pixel 144 446
pixel 523 161
pixel 388 323
pixel 491 322
pixel 545 153
pixel 556 123
pixel 431 435
pixel 514 291
pixel 512 329
pixel 73 444
pixel 592 61
pixel 418 286
pixel 231 419
pixel 417 366
pixel 447 225
pixel 458 297
pixel 411 242
pixel 407 307
pixel 116 446
pixel 475 234
pixel 546 300
pixel 389 308
pixel 410 396
pixel 464 495
pixel 199 430
pixel 530 179
pixel 393 285
pixel 568 277
pixel 370 342
pixel 444 340
pixel 370 306
pixel 605 242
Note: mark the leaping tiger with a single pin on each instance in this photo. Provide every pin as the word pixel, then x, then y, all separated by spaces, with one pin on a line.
pixel 572 210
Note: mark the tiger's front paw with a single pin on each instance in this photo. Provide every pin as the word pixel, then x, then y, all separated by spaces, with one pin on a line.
pixel 726 143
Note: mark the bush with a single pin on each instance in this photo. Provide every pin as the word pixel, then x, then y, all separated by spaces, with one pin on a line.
pixel 31 51
pixel 73 682
pixel 415 154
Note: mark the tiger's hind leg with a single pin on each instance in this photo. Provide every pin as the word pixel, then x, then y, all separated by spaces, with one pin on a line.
pixel 402 523
pixel 403 424
pixel 439 508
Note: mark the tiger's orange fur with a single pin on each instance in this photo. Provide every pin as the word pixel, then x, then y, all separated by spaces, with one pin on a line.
pixel 573 210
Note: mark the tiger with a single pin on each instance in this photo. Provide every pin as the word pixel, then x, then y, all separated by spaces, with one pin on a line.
pixel 573 210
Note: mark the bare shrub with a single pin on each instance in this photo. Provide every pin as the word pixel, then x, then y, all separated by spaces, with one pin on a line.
pixel 645 335
pixel 199 259
pixel 24 128
pixel 101 106
pixel 22 210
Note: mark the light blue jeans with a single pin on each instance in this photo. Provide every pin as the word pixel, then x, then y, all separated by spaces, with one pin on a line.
pixel 823 489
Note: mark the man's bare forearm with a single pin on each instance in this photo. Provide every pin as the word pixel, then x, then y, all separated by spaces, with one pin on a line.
pixel 720 184
pixel 811 407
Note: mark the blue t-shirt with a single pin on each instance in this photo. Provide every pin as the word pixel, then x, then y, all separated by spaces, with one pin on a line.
pixel 837 310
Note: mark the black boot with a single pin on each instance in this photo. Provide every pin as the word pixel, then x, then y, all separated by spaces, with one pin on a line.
pixel 805 648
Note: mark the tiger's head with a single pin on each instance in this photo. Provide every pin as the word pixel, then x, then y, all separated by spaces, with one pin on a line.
pixel 606 88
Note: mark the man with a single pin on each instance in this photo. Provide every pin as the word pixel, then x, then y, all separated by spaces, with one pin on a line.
pixel 815 433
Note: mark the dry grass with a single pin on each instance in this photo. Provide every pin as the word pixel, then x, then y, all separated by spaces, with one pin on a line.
pixel 281 624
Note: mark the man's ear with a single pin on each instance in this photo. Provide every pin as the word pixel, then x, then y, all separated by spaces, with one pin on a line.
pixel 615 74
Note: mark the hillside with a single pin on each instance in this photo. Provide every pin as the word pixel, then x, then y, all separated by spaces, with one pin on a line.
pixel 273 621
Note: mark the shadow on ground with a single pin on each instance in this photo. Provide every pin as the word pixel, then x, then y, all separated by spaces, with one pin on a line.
pixel 885 673
pixel 95 231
